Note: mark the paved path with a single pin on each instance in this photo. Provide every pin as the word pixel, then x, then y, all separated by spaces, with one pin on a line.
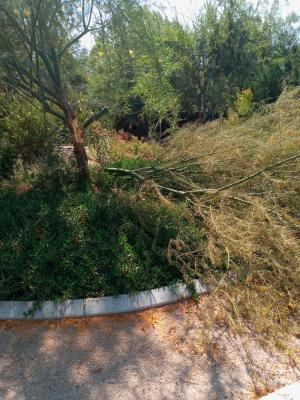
pixel 290 392
pixel 156 354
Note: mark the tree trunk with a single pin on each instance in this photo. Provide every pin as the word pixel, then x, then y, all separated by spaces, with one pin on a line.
pixel 202 118
pixel 77 138
pixel 76 134
pixel 79 149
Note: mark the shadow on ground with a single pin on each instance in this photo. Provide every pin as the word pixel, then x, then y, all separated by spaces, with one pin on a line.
pixel 135 356
pixel 127 357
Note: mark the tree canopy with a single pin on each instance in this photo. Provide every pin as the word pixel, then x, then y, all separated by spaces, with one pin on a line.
pixel 35 41
pixel 145 73
pixel 149 68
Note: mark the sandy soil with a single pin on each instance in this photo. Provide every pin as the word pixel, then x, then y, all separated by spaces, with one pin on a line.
pixel 155 354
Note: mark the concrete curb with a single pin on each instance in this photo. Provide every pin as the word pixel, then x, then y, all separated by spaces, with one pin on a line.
pixel 25 310
pixel 290 392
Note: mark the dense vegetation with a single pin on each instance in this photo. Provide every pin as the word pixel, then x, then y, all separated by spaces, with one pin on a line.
pixel 153 73
pixel 216 198
pixel 58 243
pixel 146 73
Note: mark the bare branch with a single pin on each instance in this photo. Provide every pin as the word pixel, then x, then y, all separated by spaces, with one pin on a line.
pixel 259 172
pixel 137 176
pixel 86 25
pixel 73 41
pixel 94 117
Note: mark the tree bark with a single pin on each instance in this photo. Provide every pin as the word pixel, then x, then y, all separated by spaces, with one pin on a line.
pixel 79 149
pixel 77 137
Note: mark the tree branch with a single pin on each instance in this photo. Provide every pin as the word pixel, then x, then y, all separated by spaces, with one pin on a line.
pixel 74 40
pixel 94 117
pixel 259 172
pixel 123 171
pixel 137 176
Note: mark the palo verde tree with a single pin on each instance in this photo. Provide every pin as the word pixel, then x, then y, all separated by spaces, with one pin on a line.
pixel 132 64
pixel 35 39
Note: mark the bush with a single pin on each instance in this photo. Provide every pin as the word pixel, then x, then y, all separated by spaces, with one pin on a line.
pixel 28 130
pixel 8 158
pixel 57 242
pixel 243 103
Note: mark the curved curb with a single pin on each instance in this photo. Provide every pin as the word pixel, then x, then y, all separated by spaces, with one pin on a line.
pixel 26 310
pixel 290 392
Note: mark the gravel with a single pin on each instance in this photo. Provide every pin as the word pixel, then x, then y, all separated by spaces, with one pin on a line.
pixel 154 354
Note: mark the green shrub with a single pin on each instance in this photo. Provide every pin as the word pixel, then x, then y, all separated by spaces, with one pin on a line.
pixel 57 242
pixel 30 131
pixel 8 158
pixel 244 103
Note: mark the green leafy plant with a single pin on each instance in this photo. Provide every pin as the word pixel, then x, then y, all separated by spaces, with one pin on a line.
pixel 243 102
pixel 31 133
pixel 8 158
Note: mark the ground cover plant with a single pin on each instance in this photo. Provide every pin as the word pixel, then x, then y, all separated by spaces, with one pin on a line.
pixel 57 242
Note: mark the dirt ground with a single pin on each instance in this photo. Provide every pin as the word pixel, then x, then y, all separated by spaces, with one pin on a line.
pixel 155 354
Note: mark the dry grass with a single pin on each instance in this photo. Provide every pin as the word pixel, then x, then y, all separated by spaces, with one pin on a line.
pixel 243 241
pixel 249 247
pixel 105 147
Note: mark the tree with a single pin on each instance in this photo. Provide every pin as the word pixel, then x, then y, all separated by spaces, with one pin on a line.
pixel 277 58
pixel 239 45
pixel 35 39
pixel 132 65
pixel 151 71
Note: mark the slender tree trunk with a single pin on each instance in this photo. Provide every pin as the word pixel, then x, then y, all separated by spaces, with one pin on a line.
pixel 79 149
pixel 77 138
pixel 202 116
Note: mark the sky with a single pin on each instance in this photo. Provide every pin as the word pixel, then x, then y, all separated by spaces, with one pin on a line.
pixel 186 10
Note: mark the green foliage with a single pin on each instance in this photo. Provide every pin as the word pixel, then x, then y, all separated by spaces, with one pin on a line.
pixel 59 242
pixel 243 102
pixel 26 129
pixel 131 163
pixel 150 70
pixel 133 66
pixel 8 158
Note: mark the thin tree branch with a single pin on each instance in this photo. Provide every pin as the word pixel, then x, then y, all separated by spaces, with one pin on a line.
pixel 259 172
pixel 140 178
pixel 74 40
pixel 94 117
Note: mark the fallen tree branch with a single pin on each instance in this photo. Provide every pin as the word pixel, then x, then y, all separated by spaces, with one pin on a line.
pixel 137 176
pixel 124 171
pixel 259 172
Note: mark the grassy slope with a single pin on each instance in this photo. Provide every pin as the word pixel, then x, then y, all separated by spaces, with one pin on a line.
pixel 251 251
